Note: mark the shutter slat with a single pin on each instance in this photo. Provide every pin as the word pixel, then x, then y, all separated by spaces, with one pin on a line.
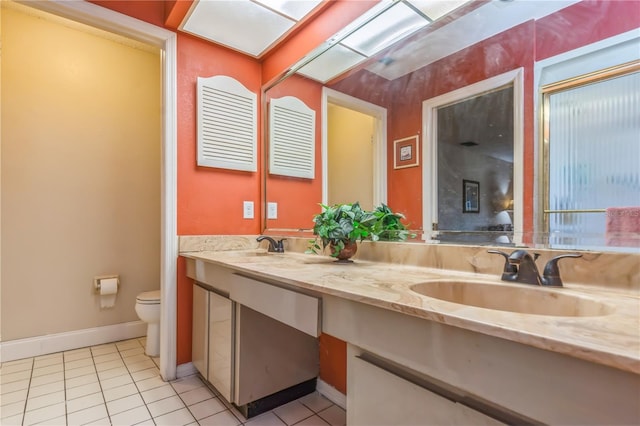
pixel 227 124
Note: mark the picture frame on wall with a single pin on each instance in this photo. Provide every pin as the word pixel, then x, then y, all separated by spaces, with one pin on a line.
pixel 406 152
pixel 470 196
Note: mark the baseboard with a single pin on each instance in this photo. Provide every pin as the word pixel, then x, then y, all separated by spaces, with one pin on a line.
pixel 331 393
pixel 52 343
pixel 184 370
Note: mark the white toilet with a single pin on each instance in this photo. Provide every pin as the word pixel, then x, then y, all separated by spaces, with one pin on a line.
pixel 148 310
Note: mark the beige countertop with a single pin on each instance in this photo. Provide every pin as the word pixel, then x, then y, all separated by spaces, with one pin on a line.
pixel 611 339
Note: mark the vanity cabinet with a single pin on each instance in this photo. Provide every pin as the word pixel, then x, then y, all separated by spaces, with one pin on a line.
pixel 200 330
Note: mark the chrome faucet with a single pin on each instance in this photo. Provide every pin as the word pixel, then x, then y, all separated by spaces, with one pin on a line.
pixel 521 267
pixel 274 246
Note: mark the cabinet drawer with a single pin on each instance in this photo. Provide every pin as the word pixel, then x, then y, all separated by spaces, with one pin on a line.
pixel 297 310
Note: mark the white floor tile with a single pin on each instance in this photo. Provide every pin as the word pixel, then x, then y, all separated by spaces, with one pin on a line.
pixel 114 382
pixel 131 417
pixel 61 420
pixel 293 412
pixel 34 403
pixel 84 362
pixel 138 366
pixel 49 378
pixel 83 354
pixel 103 349
pixel 100 422
pixel 196 395
pixel 187 384
pixel 15 377
pixel 14 368
pixel 114 372
pixel 132 352
pixel 334 415
pixel 128 344
pixel 124 404
pixel 265 419
pixel 112 356
pixel 145 374
pixel 120 392
pixel 45 389
pixel 83 402
pixel 153 382
pixel 17 362
pixel 206 408
pixel 175 418
pixel 81 371
pixel 13 420
pixel 46 360
pixel 155 394
pixel 87 415
pixel 149 423
pixel 77 352
pixel 312 421
pixel 224 418
pixel 116 363
pixel 165 406
pixel 315 402
pixel 11 410
pixel 81 380
pixel 13 397
pixel 14 386
pixel 42 414
pixel 49 369
pixel 136 358
pixel 84 390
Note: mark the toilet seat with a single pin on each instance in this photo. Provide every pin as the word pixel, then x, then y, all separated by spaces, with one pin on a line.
pixel 149 298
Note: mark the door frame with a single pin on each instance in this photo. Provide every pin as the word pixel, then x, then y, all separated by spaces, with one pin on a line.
pixel 430 153
pixel 115 22
pixel 330 96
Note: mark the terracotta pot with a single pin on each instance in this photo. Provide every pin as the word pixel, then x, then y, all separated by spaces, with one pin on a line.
pixel 350 249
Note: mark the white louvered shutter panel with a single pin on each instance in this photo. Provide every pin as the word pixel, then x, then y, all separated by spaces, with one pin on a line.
pixel 227 124
pixel 292 131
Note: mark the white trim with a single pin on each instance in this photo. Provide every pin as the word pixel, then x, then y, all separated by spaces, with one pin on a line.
pixel 331 393
pixel 105 19
pixel 185 370
pixel 380 141
pixel 430 149
pixel 52 343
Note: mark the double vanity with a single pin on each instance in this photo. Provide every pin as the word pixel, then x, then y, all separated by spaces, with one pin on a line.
pixel 434 336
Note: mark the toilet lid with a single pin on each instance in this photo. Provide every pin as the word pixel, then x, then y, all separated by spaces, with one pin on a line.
pixel 149 297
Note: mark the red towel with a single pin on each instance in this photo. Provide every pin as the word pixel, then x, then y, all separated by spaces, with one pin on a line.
pixel 623 226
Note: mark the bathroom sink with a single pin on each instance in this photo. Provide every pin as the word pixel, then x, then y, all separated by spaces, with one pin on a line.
pixel 244 253
pixel 518 298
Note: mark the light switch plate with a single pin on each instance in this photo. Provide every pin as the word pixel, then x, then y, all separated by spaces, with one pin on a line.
pixel 247 209
pixel 272 210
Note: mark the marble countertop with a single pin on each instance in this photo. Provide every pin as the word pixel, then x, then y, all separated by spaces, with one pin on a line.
pixel 611 339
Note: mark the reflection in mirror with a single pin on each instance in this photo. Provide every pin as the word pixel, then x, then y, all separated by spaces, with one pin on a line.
pixel 476 41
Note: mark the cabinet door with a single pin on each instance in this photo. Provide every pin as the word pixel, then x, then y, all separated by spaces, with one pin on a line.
pixel 379 397
pixel 200 331
pixel 221 344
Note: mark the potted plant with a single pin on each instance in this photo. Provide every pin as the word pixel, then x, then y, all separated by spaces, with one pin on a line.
pixel 340 226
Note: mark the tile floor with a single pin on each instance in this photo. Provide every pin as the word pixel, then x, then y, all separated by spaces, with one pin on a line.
pixel 117 384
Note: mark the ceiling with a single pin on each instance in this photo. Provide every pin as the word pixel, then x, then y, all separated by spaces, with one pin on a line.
pixel 249 26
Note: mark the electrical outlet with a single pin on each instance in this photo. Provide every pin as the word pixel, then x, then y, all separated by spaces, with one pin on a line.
pixel 247 209
pixel 272 210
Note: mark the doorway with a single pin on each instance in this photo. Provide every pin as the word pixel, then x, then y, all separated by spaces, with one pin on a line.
pixel 354 155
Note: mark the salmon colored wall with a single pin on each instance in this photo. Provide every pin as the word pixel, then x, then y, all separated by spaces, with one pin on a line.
pixel 584 23
pixel 297 198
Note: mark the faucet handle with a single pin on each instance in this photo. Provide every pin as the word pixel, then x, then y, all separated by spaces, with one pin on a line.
pixel 280 246
pixel 551 273
pixel 509 269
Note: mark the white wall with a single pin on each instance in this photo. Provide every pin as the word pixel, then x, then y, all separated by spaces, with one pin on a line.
pixel 80 175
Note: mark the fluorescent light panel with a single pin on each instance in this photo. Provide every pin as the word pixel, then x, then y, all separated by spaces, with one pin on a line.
pixel 436 9
pixel 295 9
pixel 331 63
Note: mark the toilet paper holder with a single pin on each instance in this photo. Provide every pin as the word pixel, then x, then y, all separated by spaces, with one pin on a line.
pixel 96 281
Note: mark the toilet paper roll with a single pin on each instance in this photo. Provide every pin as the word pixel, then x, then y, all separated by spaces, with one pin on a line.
pixel 108 292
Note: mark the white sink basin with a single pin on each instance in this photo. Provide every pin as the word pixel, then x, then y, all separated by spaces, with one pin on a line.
pixel 513 297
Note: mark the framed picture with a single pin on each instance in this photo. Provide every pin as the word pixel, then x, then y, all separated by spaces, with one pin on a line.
pixel 470 196
pixel 405 152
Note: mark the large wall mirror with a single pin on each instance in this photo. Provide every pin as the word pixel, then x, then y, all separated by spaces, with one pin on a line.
pixel 484 122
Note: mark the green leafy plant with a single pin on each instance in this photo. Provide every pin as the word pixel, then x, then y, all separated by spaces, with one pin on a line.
pixel 341 224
